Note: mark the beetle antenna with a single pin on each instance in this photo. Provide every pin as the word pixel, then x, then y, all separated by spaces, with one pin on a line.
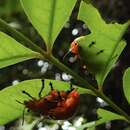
pixel 66 54
pixel 51 86
pixel 26 93
pixel 40 92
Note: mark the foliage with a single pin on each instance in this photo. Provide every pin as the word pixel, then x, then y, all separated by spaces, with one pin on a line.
pixel 47 17
pixel 8 105
pixel 99 57
pixel 126 83
pixel 12 52
pixel 100 50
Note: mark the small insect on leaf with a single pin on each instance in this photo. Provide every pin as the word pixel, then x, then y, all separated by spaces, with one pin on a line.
pixel 59 105
pixel 74 49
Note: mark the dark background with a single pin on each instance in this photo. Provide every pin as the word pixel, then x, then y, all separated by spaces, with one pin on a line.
pixel 111 11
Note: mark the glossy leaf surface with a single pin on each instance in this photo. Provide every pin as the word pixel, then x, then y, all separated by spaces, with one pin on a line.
pixel 12 52
pixel 102 47
pixel 48 17
pixel 126 84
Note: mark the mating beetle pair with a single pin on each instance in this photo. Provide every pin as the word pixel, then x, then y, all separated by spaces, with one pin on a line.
pixel 59 105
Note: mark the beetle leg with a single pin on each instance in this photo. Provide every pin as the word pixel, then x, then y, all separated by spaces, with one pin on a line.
pixel 26 93
pixel 40 92
pixel 71 88
pixel 23 115
pixel 19 102
pixel 59 96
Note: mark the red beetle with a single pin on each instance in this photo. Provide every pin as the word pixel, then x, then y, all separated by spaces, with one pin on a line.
pixel 74 49
pixel 59 105
pixel 65 108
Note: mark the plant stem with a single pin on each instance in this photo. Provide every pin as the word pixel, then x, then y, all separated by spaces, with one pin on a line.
pixel 27 42
pixel 20 37
pixel 85 84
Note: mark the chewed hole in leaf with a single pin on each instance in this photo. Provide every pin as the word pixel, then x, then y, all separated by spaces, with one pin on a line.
pixel 82 27
pixel 107 37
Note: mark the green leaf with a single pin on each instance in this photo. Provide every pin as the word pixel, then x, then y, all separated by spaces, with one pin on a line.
pixel 91 128
pixel 105 116
pixel 48 17
pixel 102 47
pixel 127 128
pixel 12 52
pixel 11 110
pixel 91 124
pixel 126 84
